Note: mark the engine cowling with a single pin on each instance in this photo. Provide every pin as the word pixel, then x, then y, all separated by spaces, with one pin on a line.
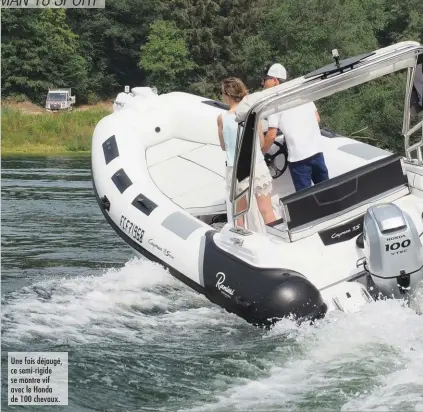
pixel 393 250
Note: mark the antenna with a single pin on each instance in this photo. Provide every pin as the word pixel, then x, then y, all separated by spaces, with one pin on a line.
pixel 340 66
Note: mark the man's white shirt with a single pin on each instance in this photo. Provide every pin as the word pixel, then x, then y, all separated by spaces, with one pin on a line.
pixel 301 130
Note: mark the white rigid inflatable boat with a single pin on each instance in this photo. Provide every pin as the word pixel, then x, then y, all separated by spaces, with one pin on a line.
pixel 159 177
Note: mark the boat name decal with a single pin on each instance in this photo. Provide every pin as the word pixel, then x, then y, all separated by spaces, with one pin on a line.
pixel 224 288
pixel 165 251
pixel 342 232
pixel 135 231
pixel 353 229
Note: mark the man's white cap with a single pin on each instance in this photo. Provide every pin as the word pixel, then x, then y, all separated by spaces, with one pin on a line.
pixel 276 70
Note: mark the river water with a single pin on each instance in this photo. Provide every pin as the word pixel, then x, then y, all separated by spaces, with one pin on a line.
pixel 139 340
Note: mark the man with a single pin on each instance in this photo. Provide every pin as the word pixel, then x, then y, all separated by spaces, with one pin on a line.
pixel 300 127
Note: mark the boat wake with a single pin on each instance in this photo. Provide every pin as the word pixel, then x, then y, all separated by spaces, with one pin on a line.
pixel 371 360
pixel 117 305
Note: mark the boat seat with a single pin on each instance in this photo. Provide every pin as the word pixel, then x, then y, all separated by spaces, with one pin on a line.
pixel 191 174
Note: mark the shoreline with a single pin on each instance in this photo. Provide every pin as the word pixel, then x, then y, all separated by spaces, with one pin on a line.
pixel 29 130
pixel 49 153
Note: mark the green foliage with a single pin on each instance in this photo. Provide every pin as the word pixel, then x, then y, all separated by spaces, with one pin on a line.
pixel 190 45
pixel 39 51
pixel 218 33
pixel 404 21
pixel 92 98
pixel 110 42
pixel 375 110
pixel 48 132
pixel 16 97
pixel 303 32
pixel 165 56
pixel 254 53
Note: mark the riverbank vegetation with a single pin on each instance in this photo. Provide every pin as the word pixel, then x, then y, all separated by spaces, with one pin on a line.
pixel 29 131
pixel 190 45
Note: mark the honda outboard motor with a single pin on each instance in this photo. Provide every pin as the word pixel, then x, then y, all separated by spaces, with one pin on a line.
pixel 393 250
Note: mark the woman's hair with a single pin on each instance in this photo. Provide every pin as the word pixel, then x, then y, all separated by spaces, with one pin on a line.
pixel 234 88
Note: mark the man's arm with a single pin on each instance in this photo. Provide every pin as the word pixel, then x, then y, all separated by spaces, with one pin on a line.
pixel 273 124
pixel 269 139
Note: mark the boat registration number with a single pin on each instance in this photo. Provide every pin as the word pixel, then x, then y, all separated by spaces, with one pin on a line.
pixel 133 230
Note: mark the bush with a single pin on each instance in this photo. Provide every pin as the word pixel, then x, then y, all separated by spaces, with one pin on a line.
pixel 48 132
pixel 93 98
pixel 16 98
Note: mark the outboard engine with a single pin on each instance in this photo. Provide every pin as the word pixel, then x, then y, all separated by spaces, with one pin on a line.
pixel 393 250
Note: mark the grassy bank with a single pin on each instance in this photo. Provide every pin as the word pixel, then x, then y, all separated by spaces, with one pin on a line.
pixel 40 132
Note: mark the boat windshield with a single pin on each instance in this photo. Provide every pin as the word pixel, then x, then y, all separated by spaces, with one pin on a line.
pixel 352 183
pixel 56 97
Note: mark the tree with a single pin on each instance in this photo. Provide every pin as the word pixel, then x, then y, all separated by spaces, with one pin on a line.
pixel 219 33
pixel 110 41
pixel 39 51
pixel 253 56
pixel 303 32
pixel 165 56
pixel 404 21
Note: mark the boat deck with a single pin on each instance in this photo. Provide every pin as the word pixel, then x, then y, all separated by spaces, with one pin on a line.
pixel 192 174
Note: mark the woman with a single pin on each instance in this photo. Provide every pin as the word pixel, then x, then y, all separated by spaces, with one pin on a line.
pixel 233 91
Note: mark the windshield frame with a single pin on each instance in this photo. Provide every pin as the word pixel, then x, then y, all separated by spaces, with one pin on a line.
pixel 303 90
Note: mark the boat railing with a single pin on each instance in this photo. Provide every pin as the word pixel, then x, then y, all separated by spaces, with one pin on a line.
pixel 415 148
